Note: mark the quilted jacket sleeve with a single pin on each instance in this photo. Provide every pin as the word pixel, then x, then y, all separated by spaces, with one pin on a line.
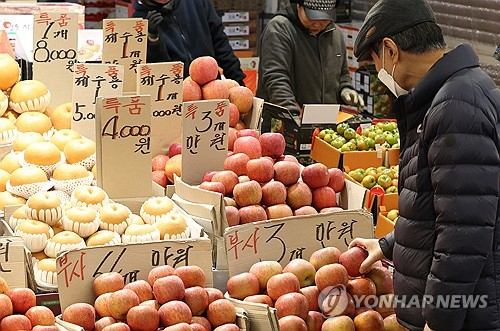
pixel 464 164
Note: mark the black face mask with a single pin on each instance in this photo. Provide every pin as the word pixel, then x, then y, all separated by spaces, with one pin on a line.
pixel 153 5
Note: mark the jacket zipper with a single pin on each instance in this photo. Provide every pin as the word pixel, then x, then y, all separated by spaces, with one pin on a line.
pixel 321 64
pixel 188 53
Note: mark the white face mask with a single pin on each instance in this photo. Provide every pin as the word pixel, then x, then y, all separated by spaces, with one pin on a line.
pixel 388 80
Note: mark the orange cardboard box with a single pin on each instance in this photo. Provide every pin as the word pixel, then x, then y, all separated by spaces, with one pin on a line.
pixel 384 225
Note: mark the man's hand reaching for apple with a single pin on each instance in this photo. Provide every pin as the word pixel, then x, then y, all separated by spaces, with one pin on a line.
pixel 374 252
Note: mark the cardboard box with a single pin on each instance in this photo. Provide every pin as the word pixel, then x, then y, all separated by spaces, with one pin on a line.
pixel 391 157
pixel 384 225
pixel 262 316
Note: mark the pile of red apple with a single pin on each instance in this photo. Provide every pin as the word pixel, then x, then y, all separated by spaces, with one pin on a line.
pixel 299 292
pixel 175 299
pixel 18 311
pixel 165 166
pixel 260 183
pixel 202 84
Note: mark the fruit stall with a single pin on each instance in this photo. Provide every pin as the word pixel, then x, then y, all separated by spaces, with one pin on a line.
pixel 134 199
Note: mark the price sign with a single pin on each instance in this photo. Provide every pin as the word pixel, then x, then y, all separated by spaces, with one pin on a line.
pixel 12 266
pixel 123 146
pixel 205 126
pixel 55 44
pixel 91 81
pixel 293 238
pixel 77 269
pixel 125 43
pixel 163 81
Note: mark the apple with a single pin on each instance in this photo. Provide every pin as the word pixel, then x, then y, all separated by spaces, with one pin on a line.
pixel 273 193
pixel 312 295
pixel 191 276
pixel 214 294
pixel 160 177
pixel 142 288
pixel 304 271
pixel 15 322
pixel 174 312
pixel 159 272
pixel 237 163
pixel 359 287
pixel 168 288
pixel 247 133
pixel 117 327
pixel 179 327
pixel 81 314
pixel 40 315
pixel 315 175
pixel 264 270
pixel 324 256
pixel 234 115
pixel 248 145
pixel 230 202
pixel 203 69
pixel 338 323
pixel 231 138
pixel 292 304
pixel 282 284
pixel 151 303
pixel 143 318
pixel 314 321
pixel 305 210
pixel 260 169
pixel 221 312
pixel 107 282
pixel 120 302
pixel 260 298
pixel 232 215
pixel 196 298
pixel 215 89
pixel 337 180
pixel 335 301
pixel 298 195
pixel 243 179
pixel 248 193
pixel 391 324
pixel 203 321
pixel 228 178
pixel 242 97
pixel 352 260
pixel 286 172
pixel 331 210
pixel 369 321
pixel 382 279
pixel 292 323
pixel 273 144
pixel 6 308
pixel 158 162
pixel 360 310
pixel 22 299
pixel 250 214
pixel 103 322
pixel 278 211
pixel 243 285
pixel 191 91
pixel 331 275
pixel 227 327
pixel 207 177
pixel 101 305
pixel 213 187
pixel 3 286
pixel 385 305
pixel 324 197
pixel 48 328
pixel 174 166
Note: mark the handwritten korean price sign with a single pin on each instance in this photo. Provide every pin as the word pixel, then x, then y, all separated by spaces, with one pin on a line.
pixel 205 126
pixel 123 146
pixel 125 43
pixel 91 81
pixel 77 269
pixel 12 266
pixel 55 44
pixel 292 238
pixel 163 81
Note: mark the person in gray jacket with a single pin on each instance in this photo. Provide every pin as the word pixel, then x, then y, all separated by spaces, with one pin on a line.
pixel 303 59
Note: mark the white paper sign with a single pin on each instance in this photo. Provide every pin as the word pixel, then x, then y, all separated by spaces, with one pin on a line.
pixel 320 114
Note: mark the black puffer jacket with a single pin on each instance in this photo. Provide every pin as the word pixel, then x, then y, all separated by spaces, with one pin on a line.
pixel 446 240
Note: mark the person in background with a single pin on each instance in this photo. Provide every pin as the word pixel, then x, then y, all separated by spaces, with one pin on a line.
pixel 184 30
pixel 303 59
pixel 446 241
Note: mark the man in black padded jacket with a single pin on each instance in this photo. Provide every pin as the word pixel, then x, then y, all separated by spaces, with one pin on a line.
pixel 182 30
pixel 445 245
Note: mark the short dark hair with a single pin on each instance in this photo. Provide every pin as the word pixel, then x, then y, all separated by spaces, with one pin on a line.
pixel 418 39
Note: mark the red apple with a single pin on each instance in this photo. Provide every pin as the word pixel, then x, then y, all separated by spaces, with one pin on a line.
pixel 314 321
pixel 243 179
pixel 15 322
pixel 334 301
pixel 142 288
pixel 120 302
pixel 292 304
pixel 198 327
pixel 360 310
pixel 174 149
pixel 242 97
pixel 312 295
pixel 103 322
pixel 273 144
pixel 101 305
pixel 81 314
pixel 3 286
pixel 292 323
pixel 352 260
pixel 273 193
pixel 207 177
pixel 338 323
pixel 299 195
pixel 228 178
pixel 260 169
pixel 117 327
pixel 250 214
pixel 385 305
pixel 159 272
pixel 304 271
pixel 179 327
pixel 260 298
pixel 40 315
pixel 214 294
pixel 227 327
pixel 331 275
pixel 196 298
pixel 174 312
pixel 160 177
pixel 230 202
pixel 221 312
pixel 264 270
pixel 168 288
pixel 213 187
pixel 337 180
pixel 174 166
pixel 248 145
pixel 248 193
pixel 232 215
pixel 278 211
pixel 158 162
pixel 6 308
pixel 369 321
pixel 203 321
pixel 315 175
pixel 382 279
pixel 391 324
pixel 22 299
pixel 247 133
pixel 324 197
pixel 234 115
pixel 191 276
pixel 282 284
pixel 331 210
pixel 361 287
pixel 143 318
pixel 305 210
pixel 152 304
pixel 243 285
pixel 237 163
pixel 231 138
pixel 215 89
pixel 324 256
pixel 191 91
pixel 48 328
